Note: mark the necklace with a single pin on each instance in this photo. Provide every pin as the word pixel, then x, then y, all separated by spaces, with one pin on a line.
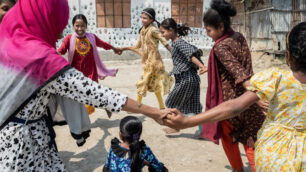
pixel 82 46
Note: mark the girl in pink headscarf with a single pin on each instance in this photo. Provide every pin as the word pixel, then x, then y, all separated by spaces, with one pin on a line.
pixel 31 70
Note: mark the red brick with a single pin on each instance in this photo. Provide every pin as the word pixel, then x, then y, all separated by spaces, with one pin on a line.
pixel 109 20
pixel 183 9
pixel 191 9
pixel 126 9
pixel 118 21
pixel 199 9
pixel 175 9
pixel 100 9
pixel 109 8
pixel 183 19
pixel 101 21
pixel 190 21
pixel 198 21
pixel 118 9
pixel 126 21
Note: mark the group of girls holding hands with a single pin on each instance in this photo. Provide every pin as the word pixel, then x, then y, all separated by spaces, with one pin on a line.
pixel 236 98
pixel 265 112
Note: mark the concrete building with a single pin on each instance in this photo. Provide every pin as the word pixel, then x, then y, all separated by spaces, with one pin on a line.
pixel 118 21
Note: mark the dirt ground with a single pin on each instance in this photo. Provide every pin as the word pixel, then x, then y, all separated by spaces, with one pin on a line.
pixel 179 152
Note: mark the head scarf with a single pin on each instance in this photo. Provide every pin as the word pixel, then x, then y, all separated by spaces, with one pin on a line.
pixel 28 58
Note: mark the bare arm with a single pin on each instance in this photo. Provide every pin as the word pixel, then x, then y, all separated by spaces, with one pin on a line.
pixel 135 48
pixel 133 106
pixel 74 85
pixel 261 103
pixel 197 62
pixel 221 112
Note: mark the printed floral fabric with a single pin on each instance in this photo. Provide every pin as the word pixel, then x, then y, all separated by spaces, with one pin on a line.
pixel 235 66
pixel 281 140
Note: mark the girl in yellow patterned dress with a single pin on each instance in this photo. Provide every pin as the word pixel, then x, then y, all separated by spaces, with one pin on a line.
pixel 281 140
pixel 154 78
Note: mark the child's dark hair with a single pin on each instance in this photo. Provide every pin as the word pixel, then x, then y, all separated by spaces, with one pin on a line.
pixel 79 16
pixel 151 13
pixel 131 128
pixel 296 44
pixel 11 1
pixel 220 12
pixel 181 30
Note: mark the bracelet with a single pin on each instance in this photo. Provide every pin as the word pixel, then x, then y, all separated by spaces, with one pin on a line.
pixel 139 106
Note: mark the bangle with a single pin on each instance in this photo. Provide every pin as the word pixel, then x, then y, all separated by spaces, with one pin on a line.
pixel 139 106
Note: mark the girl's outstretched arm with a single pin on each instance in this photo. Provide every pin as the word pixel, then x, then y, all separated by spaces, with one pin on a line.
pixel 65 45
pixel 225 110
pixel 107 46
pixel 134 48
pixel 154 113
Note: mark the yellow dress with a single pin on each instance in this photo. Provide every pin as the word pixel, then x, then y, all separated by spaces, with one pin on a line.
pixel 154 78
pixel 281 140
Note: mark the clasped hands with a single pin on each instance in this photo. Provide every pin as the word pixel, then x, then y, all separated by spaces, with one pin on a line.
pixel 119 50
pixel 172 118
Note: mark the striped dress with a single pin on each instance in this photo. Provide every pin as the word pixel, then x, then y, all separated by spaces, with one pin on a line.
pixel 185 95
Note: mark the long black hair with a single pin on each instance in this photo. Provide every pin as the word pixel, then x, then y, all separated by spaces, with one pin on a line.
pixel 150 12
pixel 296 45
pixel 79 16
pixel 181 30
pixel 220 12
pixel 131 128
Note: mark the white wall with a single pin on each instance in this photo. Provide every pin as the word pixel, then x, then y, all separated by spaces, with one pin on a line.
pixel 128 36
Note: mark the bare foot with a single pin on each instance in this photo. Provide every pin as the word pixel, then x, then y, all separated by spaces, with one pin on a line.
pixel 116 72
pixel 170 130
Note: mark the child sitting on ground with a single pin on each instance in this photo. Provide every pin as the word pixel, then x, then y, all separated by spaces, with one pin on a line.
pixel 131 154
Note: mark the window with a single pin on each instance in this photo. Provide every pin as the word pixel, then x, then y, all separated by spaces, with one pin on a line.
pixel 187 12
pixel 113 13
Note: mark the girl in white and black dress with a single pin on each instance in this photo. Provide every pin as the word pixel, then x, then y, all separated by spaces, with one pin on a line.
pixel 185 95
pixel 31 70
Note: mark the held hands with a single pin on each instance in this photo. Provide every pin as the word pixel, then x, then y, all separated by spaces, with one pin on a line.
pixel 263 104
pixel 162 115
pixel 117 50
pixel 172 118
pixel 202 69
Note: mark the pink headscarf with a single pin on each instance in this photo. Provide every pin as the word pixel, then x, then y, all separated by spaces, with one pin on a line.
pixel 28 58
pixel 28 35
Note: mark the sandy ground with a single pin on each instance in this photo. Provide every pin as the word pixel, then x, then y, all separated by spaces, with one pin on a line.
pixel 179 152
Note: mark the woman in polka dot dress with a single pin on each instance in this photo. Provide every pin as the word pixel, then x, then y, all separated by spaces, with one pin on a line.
pixel 31 70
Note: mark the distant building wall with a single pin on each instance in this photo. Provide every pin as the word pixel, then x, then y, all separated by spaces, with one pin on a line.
pixel 121 37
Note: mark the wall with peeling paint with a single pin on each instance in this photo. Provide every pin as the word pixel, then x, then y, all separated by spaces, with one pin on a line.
pixel 121 37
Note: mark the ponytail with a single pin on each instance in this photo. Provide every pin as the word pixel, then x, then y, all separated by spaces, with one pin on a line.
pixel 131 128
pixel 181 30
pixel 158 24
pixel 136 148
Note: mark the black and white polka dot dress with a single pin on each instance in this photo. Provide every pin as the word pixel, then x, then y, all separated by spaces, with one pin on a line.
pixel 26 147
